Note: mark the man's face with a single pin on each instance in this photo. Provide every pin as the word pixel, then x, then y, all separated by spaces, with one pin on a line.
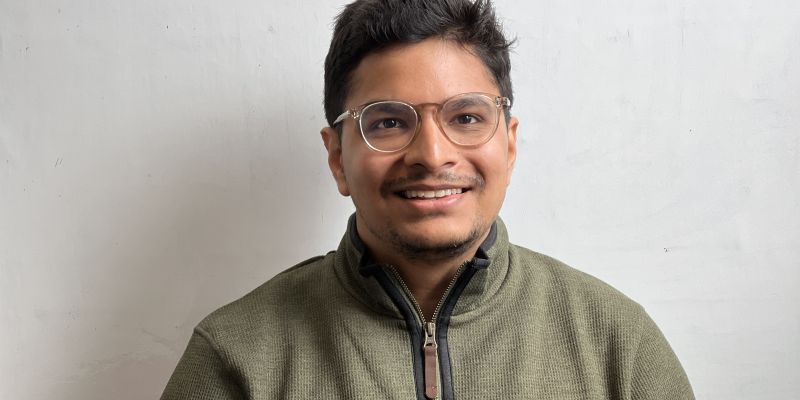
pixel 427 72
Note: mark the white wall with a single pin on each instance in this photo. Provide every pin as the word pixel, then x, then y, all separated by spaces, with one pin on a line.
pixel 159 159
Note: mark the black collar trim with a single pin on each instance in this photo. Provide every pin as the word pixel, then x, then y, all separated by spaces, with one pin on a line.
pixel 367 265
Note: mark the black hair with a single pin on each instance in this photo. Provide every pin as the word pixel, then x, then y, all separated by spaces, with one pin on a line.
pixel 367 26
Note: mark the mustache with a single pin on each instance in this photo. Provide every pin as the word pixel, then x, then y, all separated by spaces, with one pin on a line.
pixel 398 184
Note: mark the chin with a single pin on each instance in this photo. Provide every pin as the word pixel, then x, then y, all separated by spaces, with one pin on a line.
pixel 436 241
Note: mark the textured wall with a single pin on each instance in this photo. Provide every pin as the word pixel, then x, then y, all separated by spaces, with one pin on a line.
pixel 158 159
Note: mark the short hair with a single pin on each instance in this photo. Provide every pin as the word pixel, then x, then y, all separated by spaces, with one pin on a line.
pixel 367 26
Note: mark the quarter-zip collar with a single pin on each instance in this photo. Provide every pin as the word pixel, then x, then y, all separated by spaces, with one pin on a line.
pixel 354 267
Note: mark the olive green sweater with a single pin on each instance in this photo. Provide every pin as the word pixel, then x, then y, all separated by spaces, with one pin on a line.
pixel 515 324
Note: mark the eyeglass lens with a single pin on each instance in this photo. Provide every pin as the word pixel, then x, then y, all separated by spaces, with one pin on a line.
pixel 466 120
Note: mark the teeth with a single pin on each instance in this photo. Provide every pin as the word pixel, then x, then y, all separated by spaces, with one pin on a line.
pixel 431 194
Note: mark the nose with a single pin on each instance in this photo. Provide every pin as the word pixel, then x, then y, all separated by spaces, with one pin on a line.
pixel 431 149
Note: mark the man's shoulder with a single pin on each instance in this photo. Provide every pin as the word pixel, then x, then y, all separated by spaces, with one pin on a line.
pixel 276 299
pixel 558 285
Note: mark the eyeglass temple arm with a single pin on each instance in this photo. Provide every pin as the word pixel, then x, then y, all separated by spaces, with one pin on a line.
pixel 341 117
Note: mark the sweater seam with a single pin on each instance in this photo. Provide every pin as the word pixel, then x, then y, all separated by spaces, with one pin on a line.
pixel 635 355
pixel 226 365
pixel 640 330
pixel 207 337
pixel 227 368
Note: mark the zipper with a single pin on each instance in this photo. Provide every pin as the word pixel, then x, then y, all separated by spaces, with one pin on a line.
pixel 431 362
pixel 430 349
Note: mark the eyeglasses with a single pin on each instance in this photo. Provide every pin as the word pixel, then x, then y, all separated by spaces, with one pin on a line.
pixel 468 119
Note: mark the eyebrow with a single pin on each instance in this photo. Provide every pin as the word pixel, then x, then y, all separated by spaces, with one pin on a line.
pixel 465 102
pixel 387 105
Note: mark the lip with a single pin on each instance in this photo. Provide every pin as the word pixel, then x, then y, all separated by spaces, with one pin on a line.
pixel 402 191
pixel 425 187
pixel 432 205
pixel 431 187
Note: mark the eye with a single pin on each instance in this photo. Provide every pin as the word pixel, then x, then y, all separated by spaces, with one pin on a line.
pixel 466 119
pixel 389 123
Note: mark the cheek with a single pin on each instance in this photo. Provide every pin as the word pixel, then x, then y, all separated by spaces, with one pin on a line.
pixel 363 175
pixel 493 164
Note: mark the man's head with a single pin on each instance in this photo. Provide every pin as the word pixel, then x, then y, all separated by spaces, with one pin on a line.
pixel 419 52
pixel 367 26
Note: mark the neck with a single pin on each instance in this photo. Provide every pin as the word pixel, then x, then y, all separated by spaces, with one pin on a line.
pixel 429 281
pixel 427 278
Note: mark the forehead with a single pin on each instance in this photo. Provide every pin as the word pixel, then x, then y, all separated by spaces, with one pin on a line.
pixel 426 72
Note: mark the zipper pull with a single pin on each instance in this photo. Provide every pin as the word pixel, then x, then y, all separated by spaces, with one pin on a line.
pixel 430 350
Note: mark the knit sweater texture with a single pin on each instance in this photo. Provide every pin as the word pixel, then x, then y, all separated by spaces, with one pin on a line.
pixel 523 326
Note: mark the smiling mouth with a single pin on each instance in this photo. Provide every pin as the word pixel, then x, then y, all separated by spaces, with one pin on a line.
pixel 431 194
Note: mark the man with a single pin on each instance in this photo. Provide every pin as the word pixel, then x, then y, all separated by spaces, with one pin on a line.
pixel 425 297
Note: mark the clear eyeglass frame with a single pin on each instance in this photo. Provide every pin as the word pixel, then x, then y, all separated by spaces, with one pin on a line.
pixel 357 112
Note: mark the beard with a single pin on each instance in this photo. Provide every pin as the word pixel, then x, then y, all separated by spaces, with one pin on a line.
pixel 417 247
pixel 421 248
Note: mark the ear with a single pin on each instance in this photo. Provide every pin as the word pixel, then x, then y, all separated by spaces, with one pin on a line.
pixel 333 144
pixel 513 123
